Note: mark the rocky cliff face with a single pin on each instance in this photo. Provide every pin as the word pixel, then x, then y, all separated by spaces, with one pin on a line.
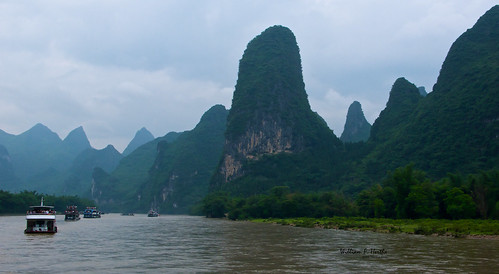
pixel 356 128
pixel 270 112
pixel 180 175
pixel 268 137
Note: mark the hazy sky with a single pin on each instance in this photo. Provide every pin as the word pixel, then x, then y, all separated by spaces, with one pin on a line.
pixel 115 66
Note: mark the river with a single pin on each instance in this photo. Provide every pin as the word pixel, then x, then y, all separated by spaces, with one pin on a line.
pixel 131 244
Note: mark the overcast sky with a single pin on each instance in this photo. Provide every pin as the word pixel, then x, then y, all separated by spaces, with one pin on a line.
pixel 114 67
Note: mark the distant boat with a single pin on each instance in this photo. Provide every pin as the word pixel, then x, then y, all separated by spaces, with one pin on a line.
pixel 40 219
pixel 127 214
pixel 152 213
pixel 71 213
pixel 91 212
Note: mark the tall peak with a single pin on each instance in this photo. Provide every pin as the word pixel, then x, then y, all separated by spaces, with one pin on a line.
pixel 216 116
pixel 403 100
pixel 41 133
pixel 401 91
pixel 77 140
pixel 270 112
pixel 473 55
pixel 38 129
pixel 357 128
pixel 141 137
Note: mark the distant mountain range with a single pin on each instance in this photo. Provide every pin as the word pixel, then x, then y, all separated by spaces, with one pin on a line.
pixel 271 137
pixel 39 160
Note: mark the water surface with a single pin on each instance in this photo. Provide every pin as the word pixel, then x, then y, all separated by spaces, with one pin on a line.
pixel 117 244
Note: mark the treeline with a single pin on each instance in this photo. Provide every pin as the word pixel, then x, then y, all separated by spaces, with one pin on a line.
pixel 19 203
pixel 405 193
pixel 409 194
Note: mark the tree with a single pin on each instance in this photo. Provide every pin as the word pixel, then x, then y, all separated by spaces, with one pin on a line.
pixel 459 205
pixel 216 204
pixel 402 180
pixel 421 202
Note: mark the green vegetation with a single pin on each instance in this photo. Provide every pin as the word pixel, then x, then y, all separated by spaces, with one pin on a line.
pixel 406 201
pixel 270 111
pixel 168 174
pixel 19 203
pixel 409 193
pixel 405 194
pixel 270 82
pixel 441 227
pixel 122 184
pixel 454 128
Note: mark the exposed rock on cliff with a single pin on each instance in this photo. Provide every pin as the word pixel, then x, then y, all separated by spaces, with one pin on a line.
pixel 172 172
pixel 270 112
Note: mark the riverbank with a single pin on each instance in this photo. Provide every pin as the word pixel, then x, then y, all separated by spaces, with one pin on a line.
pixel 468 228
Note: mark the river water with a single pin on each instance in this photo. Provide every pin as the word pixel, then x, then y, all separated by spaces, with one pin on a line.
pixel 131 244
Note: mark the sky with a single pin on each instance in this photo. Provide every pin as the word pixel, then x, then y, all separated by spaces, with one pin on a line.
pixel 116 66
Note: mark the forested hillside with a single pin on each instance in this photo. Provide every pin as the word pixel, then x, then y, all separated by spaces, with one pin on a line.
pixel 456 127
pixel 171 173
pixel 273 137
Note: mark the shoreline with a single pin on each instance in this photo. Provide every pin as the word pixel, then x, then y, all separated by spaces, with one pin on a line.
pixel 468 228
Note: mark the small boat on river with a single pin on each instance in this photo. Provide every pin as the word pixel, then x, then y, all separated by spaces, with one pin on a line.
pixel 71 213
pixel 152 213
pixel 40 219
pixel 91 212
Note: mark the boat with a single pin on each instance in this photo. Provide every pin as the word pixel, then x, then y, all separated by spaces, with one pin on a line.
pixel 40 219
pixel 152 213
pixel 71 213
pixel 91 212
pixel 127 214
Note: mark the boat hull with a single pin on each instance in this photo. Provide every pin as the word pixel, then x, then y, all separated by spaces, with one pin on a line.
pixel 26 231
pixel 71 218
pixel 40 224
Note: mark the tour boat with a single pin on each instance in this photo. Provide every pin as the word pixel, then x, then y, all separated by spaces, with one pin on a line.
pixel 91 212
pixel 152 213
pixel 40 219
pixel 71 213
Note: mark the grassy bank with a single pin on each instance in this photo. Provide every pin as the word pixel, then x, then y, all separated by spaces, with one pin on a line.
pixel 455 228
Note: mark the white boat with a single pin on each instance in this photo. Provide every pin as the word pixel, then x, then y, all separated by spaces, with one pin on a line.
pixel 40 219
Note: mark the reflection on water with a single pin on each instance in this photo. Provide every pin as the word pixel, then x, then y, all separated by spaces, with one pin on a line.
pixel 137 243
